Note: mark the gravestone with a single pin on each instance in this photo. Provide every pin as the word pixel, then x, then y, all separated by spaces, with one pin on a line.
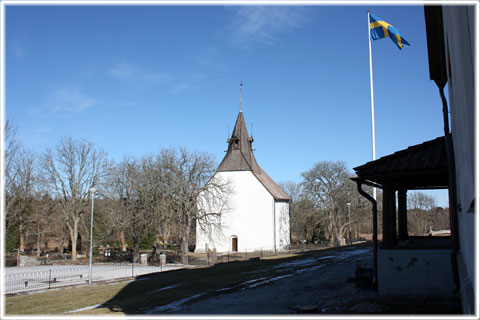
pixel 163 259
pixel 26 261
pixel 143 258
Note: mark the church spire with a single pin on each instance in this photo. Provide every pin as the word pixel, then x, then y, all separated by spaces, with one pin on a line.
pixel 239 155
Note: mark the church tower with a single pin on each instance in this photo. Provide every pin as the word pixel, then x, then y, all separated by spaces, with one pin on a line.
pixel 259 209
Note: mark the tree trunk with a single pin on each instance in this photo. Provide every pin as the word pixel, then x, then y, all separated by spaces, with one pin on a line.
pixel 136 246
pixel 73 238
pixel 38 241
pixel 64 243
pixel 185 238
pixel 21 231
pixel 166 237
pixel 136 254
pixel 122 241
pixel 332 241
pixel 185 249
pixel 339 235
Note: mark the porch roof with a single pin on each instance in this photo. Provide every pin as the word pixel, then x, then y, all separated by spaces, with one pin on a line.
pixel 422 166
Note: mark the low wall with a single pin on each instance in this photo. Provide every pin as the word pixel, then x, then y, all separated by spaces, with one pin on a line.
pixel 415 272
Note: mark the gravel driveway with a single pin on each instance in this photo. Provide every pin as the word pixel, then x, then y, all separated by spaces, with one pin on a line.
pixel 321 285
pixel 318 286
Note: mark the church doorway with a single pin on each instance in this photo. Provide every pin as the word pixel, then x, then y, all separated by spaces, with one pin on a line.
pixel 234 244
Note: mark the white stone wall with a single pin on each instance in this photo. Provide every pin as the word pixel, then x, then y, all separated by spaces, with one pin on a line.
pixel 250 219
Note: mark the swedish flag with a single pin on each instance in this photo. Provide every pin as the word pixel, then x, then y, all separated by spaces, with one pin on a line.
pixel 381 29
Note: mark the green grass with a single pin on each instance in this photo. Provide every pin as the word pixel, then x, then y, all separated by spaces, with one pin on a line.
pixel 136 296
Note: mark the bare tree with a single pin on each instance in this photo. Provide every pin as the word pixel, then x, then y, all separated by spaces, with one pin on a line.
pixel 161 193
pixel 12 147
pixel 292 189
pixel 70 170
pixel 20 194
pixel 119 193
pixel 45 220
pixel 421 201
pixel 304 222
pixel 329 186
pixel 422 214
pixel 194 195
pixel 137 199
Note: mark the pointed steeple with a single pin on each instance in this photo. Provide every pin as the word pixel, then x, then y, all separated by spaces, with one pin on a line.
pixel 239 155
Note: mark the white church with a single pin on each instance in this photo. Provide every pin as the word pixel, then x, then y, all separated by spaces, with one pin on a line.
pixel 258 215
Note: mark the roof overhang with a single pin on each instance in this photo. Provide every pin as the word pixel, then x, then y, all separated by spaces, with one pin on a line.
pixel 422 166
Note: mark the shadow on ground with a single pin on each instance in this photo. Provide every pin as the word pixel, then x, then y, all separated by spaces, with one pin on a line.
pixel 220 289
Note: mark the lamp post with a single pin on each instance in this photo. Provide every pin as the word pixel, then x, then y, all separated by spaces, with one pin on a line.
pixel 349 224
pixel 92 191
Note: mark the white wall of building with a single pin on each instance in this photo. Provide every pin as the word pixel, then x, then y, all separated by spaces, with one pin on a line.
pixel 459 26
pixel 415 272
pixel 282 225
pixel 250 217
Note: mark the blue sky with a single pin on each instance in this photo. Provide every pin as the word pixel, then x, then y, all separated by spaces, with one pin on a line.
pixel 134 79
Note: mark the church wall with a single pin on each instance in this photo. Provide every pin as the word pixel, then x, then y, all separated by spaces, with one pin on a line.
pixel 250 218
pixel 282 225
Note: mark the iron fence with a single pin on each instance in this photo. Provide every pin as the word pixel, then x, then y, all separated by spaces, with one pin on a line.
pixel 58 276
pixel 212 257
pixel 53 276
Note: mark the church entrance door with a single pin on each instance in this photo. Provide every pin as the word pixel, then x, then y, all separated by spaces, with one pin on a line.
pixel 234 244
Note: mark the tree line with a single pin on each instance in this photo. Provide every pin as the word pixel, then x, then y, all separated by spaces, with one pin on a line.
pixel 139 198
pixel 153 198
pixel 321 201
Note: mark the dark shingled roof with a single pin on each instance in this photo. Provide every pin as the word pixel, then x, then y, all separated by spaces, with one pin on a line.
pixel 420 166
pixel 240 157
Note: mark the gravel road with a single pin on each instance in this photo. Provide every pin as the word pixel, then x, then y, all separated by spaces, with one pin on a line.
pixel 316 287
pixel 320 288
pixel 314 284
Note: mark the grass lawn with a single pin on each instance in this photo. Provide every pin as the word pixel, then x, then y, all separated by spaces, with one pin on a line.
pixel 134 297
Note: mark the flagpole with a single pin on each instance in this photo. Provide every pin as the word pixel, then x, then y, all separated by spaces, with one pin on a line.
pixel 371 97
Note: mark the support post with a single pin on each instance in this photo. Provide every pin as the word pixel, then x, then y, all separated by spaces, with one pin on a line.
pixel 402 214
pixel 386 243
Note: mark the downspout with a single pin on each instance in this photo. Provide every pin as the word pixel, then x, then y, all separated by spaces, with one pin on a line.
pixel 440 70
pixel 375 227
pixel 452 184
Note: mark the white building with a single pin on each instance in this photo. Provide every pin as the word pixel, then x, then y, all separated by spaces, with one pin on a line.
pixel 258 215
pixel 434 265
